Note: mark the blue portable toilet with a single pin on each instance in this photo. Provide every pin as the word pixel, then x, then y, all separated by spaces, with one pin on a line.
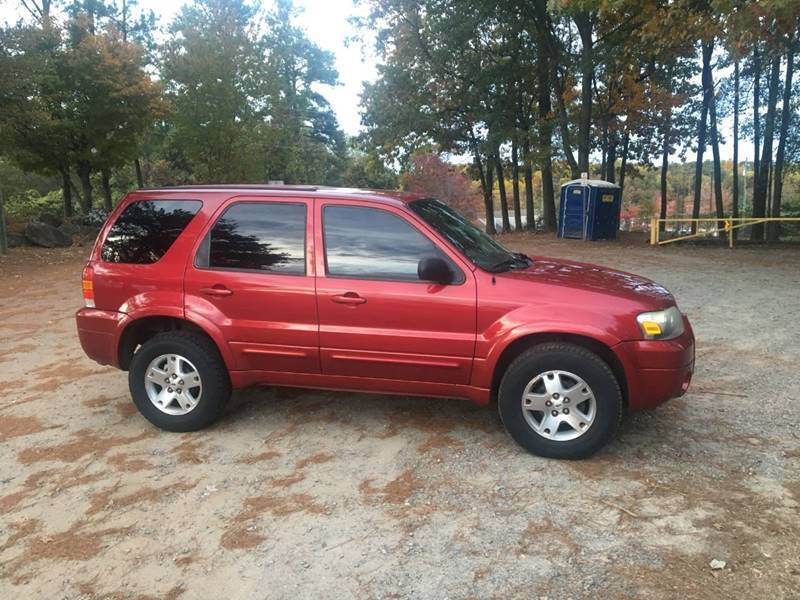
pixel 589 210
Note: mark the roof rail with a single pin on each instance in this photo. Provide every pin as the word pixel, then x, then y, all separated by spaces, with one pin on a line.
pixel 236 186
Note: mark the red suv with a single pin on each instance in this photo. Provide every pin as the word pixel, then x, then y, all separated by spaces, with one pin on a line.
pixel 196 290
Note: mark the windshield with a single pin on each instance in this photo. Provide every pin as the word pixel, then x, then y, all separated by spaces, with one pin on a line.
pixel 473 243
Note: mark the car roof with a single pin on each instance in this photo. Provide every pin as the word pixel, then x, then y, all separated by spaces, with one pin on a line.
pixel 378 196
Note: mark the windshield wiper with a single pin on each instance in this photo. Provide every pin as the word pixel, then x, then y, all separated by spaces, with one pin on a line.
pixel 523 258
pixel 515 260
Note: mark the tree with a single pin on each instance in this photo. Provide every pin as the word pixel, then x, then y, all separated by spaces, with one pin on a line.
pixel 31 97
pixel 544 71
pixel 761 185
pixel 365 169
pixel 437 87
pixel 708 82
pixel 708 91
pixel 53 128
pixel 428 174
pixel 773 230
pixel 302 139
pixel 137 26
pixel 117 103
pixel 212 70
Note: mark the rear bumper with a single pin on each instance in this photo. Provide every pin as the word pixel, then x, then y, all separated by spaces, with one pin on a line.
pixel 657 371
pixel 97 331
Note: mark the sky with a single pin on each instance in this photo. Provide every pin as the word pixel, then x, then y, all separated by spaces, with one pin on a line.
pixel 327 25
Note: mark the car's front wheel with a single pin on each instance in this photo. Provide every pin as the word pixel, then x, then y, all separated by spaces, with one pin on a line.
pixel 559 400
pixel 178 381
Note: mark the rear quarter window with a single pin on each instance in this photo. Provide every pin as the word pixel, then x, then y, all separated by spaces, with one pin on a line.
pixel 145 230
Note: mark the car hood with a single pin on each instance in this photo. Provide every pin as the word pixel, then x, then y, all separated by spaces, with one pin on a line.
pixel 593 278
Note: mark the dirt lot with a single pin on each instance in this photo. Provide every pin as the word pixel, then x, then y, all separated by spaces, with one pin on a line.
pixel 308 494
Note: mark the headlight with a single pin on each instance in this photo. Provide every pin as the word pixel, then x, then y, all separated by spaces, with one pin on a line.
pixel 662 324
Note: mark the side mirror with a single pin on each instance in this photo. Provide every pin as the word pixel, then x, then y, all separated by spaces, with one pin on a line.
pixel 436 269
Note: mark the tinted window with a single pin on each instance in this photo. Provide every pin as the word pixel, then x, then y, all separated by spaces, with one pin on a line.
pixel 371 243
pixel 145 230
pixel 258 236
pixel 476 245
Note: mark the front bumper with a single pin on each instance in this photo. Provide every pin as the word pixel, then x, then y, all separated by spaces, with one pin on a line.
pixel 97 331
pixel 657 370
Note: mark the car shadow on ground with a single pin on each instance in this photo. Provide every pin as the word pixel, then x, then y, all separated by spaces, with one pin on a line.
pixel 383 416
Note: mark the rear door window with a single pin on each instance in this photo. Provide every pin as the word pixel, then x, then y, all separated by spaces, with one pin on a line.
pixel 145 230
pixel 257 236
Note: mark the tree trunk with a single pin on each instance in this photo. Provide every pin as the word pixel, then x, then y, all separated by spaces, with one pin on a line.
pixel 623 165
pixel 563 120
pixel 488 198
pixel 611 158
pixel 547 66
pixel 603 149
pixel 530 217
pixel 106 181
pixel 761 187
pixel 84 174
pixel 66 191
pixel 664 168
pixel 75 191
pixel 715 152
pixel 515 184
pixel 583 21
pixel 3 226
pixel 756 121
pixel 735 195
pixel 501 187
pixel 138 168
pixel 701 137
pixel 548 196
pixel 768 203
pixel 665 150
pixel 543 69
pixel 773 229
pixel 485 188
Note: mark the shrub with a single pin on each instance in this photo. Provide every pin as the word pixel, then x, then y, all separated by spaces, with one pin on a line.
pixel 28 205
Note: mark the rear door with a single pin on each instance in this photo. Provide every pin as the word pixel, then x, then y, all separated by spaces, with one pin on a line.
pixel 377 319
pixel 253 277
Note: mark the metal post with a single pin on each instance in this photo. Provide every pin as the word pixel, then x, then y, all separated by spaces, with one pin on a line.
pixel 653 231
pixel 729 227
pixel 3 230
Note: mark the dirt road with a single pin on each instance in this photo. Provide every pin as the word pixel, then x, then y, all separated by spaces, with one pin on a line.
pixel 308 494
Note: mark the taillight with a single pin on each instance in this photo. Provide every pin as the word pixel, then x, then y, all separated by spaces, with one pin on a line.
pixel 88 286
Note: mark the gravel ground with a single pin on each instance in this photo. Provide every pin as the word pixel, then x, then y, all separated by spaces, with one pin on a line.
pixel 307 494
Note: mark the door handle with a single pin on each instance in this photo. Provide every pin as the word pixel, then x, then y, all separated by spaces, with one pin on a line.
pixel 217 290
pixel 350 298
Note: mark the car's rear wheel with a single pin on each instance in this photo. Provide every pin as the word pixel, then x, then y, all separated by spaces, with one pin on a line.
pixel 178 381
pixel 559 400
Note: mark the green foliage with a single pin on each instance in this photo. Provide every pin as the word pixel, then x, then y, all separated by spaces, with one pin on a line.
pixel 25 206
pixel 211 66
pixel 366 170
pixel 73 96
pixel 245 102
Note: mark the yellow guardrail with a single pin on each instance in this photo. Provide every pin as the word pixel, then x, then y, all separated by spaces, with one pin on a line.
pixel 729 225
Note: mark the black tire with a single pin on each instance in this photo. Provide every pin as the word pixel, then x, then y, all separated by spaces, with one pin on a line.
pixel 573 359
pixel 205 356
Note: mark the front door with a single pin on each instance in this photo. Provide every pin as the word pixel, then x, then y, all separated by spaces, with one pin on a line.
pixel 252 276
pixel 377 319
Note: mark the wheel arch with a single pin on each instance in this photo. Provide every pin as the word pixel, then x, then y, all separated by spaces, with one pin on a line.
pixel 522 343
pixel 138 331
